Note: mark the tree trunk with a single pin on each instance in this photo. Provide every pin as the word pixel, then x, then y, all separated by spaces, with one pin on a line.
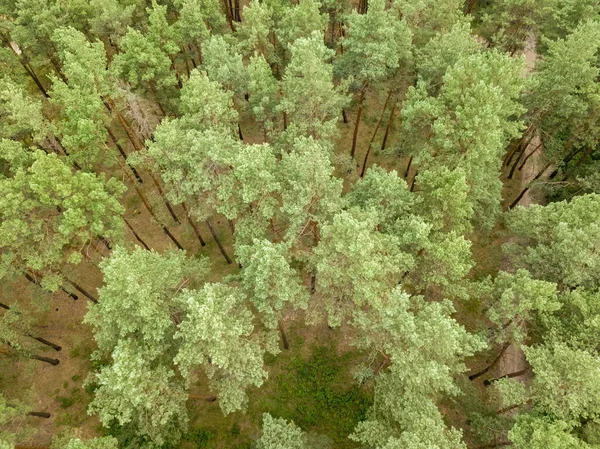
pixel 44 359
pixel 194 227
pixel 81 290
pixel 491 365
pixel 39 414
pixel 284 339
pixel 524 191
pixel 240 135
pixel 408 167
pixel 488 382
pixel 469 6
pixel 164 197
pixel 529 155
pixel 105 242
pixel 412 184
pixel 23 61
pixel 151 211
pixel 344 115
pixel 228 15
pixel 358 115
pixel 4 306
pixel 514 167
pixel 135 234
pixel 364 166
pixel 387 128
pixel 124 156
pixel 46 342
pixel 218 242
pixel 31 279
pixel 236 10
pixel 284 121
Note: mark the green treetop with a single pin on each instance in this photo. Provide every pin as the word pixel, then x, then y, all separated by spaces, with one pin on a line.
pixel 49 213
pixel 425 347
pixel 468 125
pixel 355 265
pixel 277 433
pixel 300 21
pixel 216 334
pixel 558 242
pixel 254 33
pixel 145 398
pixel 316 114
pixel 428 18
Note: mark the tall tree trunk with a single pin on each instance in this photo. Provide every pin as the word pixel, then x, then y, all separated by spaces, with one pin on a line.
pixel 44 359
pixel 4 306
pixel 23 61
pixel 387 128
pixel 236 6
pixel 31 279
pixel 364 166
pixel 491 365
pixel 488 382
pixel 164 197
pixel 81 290
pixel 135 234
pixel 344 116
pixel 228 15
pixel 218 242
pixel 240 135
pixel 408 167
pixel 412 184
pixel 529 155
pixel 39 414
pixel 514 167
pixel 194 227
pixel 358 115
pixel 524 191
pixel 124 155
pixel 46 342
pixel 469 6
pixel 284 339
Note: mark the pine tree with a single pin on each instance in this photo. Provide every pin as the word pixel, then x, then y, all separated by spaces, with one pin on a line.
pixel 376 45
pixel 424 346
pixel 558 242
pixel 47 215
pixel 316 114
pixel 216 334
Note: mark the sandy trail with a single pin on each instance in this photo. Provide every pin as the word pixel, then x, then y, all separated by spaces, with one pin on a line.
pixel 513 359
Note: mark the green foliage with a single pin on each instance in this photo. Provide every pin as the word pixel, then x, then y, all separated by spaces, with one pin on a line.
pixel 216 334
pixel 46 213
pixel 558 241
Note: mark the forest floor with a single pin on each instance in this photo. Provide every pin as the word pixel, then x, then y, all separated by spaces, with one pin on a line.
pixel 310 384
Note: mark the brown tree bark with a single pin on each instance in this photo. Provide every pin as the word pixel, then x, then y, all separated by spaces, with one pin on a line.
pixel 491 365
pixel 39 414
pixel 387 128
pixel 408 167
pixel 524 191
pixel 31 279
pixel 46 342
pixel 284 339
pixel 217 241
pixel 135 234
pixel 124 156
pixel 358 115
pixel 194 227
pixel 44 359
pixel 364 166
pixel 488 382
pixel 81 290
pixel 164 197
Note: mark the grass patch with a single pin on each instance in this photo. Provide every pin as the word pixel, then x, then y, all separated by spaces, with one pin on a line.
pixel 319 395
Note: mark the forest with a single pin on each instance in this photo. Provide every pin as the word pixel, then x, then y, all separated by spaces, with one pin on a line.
pixel 299 224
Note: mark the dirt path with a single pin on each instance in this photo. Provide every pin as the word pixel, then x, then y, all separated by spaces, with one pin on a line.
pixel 513 359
